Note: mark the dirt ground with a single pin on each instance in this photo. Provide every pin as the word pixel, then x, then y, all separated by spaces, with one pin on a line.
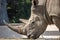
pixel 51 33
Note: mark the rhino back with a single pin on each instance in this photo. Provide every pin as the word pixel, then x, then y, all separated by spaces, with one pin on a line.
pixel 53 7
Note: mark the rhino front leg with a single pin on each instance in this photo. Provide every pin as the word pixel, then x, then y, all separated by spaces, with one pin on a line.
pixel 56 21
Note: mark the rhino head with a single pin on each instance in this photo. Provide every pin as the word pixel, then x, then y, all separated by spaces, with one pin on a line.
pixel 35 25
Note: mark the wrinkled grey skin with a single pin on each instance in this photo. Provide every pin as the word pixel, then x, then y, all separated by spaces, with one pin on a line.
pixel 42 14
pixel 53 9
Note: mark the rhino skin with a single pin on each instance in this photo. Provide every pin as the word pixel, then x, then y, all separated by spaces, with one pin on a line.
pixel 43 13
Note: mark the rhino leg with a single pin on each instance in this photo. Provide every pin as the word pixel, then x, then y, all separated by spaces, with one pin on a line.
pixel 56 21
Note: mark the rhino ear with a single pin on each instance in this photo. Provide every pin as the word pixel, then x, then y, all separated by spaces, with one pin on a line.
pixel 23 20
pixel 35 2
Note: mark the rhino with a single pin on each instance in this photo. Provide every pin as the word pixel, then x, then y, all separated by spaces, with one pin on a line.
pixel 43 13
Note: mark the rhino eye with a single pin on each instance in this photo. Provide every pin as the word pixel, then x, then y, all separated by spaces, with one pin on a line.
pixel 33 22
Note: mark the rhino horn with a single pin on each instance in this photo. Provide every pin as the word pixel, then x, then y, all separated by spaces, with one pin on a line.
pixel 24 20
pixel 16 28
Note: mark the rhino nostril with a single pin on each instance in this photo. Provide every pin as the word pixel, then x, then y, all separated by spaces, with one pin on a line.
pixel 31 36
pixel 28 36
